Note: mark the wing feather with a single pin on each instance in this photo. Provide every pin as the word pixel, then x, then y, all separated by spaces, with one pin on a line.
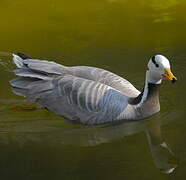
pixel 85 100
pixel 87 94
pixel 40 68
pixel 104 77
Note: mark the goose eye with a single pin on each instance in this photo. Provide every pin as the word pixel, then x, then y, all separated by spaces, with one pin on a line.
pixel 154 62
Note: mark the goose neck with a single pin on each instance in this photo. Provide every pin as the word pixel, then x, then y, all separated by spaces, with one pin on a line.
pixel 150 90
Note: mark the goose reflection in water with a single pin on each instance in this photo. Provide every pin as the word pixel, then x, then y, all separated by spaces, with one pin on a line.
pixel 163 157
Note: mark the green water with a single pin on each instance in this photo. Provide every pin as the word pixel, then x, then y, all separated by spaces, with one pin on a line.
pixel 118 35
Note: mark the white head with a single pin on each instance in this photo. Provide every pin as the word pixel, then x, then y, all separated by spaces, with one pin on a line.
pixel 159 68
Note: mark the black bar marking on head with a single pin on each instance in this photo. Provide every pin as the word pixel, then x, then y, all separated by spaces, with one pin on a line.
pixel 153 60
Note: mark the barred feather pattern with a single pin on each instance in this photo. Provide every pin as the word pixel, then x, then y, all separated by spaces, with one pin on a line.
pixel 84 94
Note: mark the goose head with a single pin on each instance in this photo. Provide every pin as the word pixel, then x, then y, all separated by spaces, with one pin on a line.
pixel 158 69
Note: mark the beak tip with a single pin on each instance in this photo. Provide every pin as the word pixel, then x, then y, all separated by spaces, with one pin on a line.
pixel 174 80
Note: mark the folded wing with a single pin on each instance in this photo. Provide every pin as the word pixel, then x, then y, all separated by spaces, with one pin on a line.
pixel 86 94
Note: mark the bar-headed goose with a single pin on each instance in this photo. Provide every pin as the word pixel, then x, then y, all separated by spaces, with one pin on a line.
pixel 89 95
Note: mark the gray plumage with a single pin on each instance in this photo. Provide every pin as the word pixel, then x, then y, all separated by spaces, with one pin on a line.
pixel 83 94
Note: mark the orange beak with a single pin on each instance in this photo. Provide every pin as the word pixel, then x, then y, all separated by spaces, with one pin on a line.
pixel 169 75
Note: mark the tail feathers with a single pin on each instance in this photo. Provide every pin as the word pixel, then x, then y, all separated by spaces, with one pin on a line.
pixel 35 97
pixel 30 87
pixel 42 66
pixel 22 82
pixel 18 61
pixel 35 77
pixel 23 56
pixel 19 92
pixel 20 85
pixel 32 74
